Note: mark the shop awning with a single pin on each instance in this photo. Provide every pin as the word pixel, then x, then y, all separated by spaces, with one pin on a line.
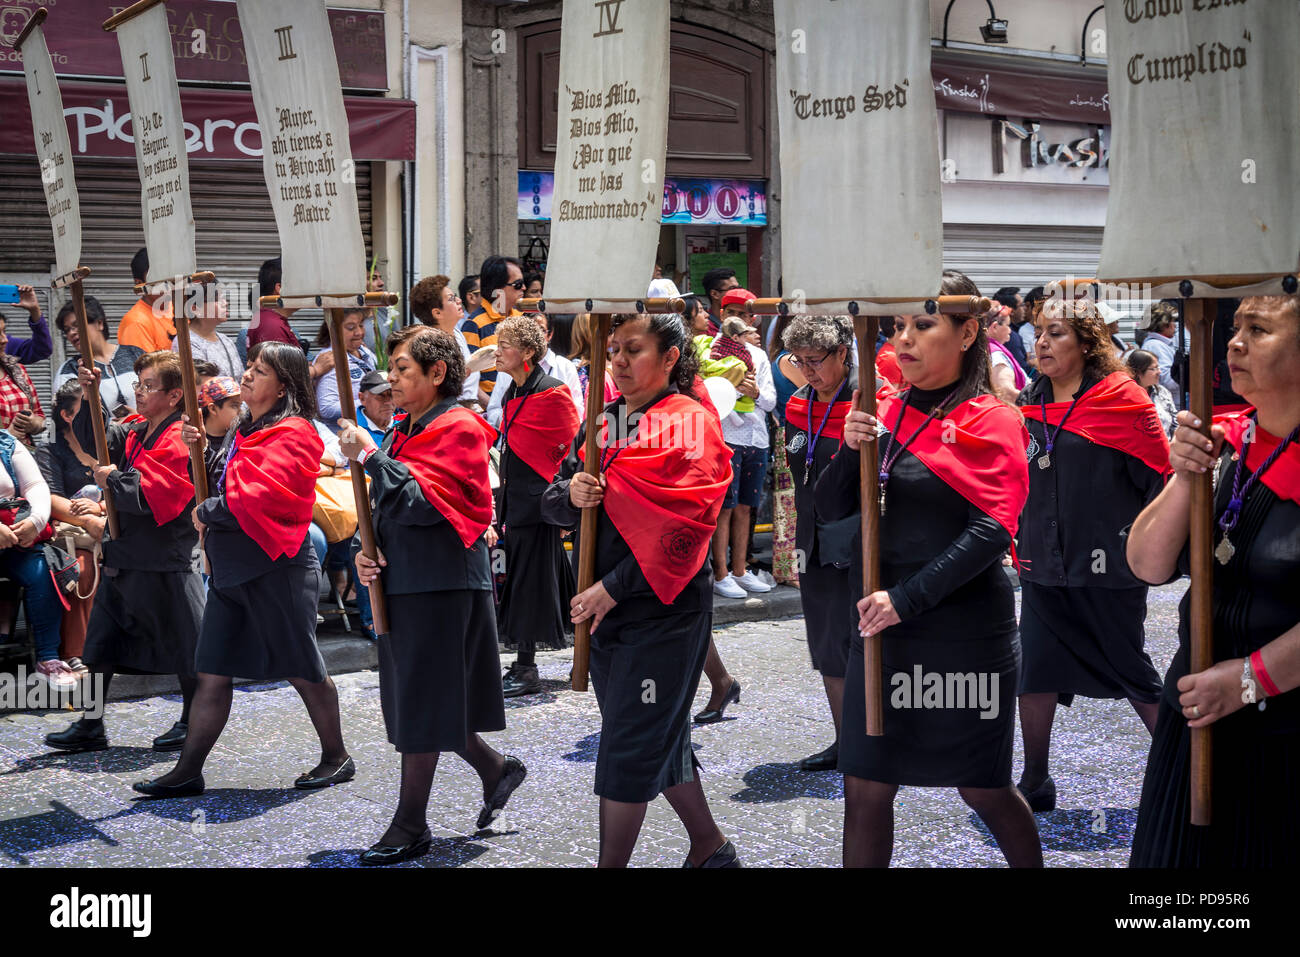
pixel 1000 85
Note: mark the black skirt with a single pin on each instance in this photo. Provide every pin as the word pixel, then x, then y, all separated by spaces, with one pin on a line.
pixel 539 584
pixel 439 672
pixel 1255 788
pixel 950 711
pixel 645 673
pixel 145 622
pixel 830 616
pixel 1086 641
pixel 265 628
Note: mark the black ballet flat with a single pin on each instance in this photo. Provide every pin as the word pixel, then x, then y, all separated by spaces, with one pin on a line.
pixel 191 788
pixel 381 854
pixel 79 737
pixel 512 775
pixel 827 760
pixel 711 715
pixel 725 856
pixel 1041 798
pixel 346 772
pixel 173 740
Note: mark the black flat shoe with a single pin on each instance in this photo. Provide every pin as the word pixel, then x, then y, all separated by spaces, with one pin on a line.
pixel 1041 798
pixel 173 740
pixel 190 788
pixel 346 771
pixel 711 715
pixel 79 736
pixel 827 760
pixel 521 681
pixel 380 854
pixel 512 775
pixel 725 856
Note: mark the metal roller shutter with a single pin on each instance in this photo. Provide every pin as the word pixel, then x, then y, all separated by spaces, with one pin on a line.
pixel 236 233
pixel 1026 256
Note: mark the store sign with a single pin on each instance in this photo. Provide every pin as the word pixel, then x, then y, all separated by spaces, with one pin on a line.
pixel 716 202
pixel 207 42
pixel 1028 151
pixel 1038 151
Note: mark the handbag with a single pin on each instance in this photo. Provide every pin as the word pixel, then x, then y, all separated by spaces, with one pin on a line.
pixel 835 540
pixel 64 568
pixel 335 509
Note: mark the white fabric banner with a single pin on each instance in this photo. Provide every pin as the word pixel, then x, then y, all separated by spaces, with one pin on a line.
pixel 307 156
pixel 1205 148
pixel 609 158
pixel 862 212
pixel 160 151
pixel 53 152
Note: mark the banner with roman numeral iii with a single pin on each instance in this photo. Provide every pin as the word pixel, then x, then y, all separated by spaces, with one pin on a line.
pixel 859 150
pixel 159 130
pixel 609 157
pixel 307 156
pixel 53 151
pixel 1204 173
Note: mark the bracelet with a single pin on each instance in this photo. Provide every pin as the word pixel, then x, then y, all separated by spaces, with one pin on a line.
pixel 1249 693
pixel 365 454
pixel 1257 664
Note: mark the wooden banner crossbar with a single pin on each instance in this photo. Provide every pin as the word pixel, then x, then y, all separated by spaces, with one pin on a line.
pixel 364 300
pixel 164 287
pixel 567 307
pixel 948 305
pixel 130 13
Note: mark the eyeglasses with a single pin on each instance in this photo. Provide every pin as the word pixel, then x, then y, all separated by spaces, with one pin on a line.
pixel 140 388
pixel 518 284
pixel 813 364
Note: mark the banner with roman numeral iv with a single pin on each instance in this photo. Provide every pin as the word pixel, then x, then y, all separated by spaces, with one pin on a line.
pixel 609 157
pixel 307 156
pixel 53 151
pixel 1204 176
pixel 859 150
pixel 160 153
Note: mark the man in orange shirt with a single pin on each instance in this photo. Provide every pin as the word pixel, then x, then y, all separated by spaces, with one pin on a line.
pixel 148 324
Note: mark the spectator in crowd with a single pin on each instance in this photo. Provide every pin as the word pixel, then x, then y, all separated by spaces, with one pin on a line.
pixel 20 408
pixel 270 325
pixel 1145 370
pixel 1008 376
pixel 1160 323
pixel 219 403
pixel 502 286
pixel 532 284
pixel 206 342
pixel 148 324
pixel 116 362
pixel 556 366
pixel 380 320
pixel 39 346
pixel 716 284
pixel 1023 323
pixel 696 316
pixel 1009 296
pixel 434 304
pixel 468 292
pixel 360 361
pixel 786 380
pixel 204 371
pixel 376 412
pixel 583 340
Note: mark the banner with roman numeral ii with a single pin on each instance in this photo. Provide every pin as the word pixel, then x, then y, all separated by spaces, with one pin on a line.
pixel 53 151
pixel 159 130
pixel 859 150
pixel 609 158
pixel 307 156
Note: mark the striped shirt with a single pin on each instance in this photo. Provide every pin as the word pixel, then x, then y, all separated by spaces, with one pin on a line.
pixel 480 329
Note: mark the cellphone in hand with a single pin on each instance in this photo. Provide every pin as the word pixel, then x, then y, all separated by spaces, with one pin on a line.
pixel 9 293
pixel 122 410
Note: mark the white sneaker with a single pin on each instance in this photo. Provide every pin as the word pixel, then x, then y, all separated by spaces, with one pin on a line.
pixel 752 583
pixel 728 588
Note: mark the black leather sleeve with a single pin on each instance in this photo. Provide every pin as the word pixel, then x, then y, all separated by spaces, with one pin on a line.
pixel 981 544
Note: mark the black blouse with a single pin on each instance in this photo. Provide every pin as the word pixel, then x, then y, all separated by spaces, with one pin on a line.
pixel 62 470
pixel 807 518
pixel 521 487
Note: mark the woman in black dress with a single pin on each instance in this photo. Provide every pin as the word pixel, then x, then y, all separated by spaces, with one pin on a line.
pixel 438 678
pixel 1097 457
pixel 538 423
pixel 954 480
pixel 814 429
pixel 1248 696
pixel 260 619
pixel 147 611
pixel 665 470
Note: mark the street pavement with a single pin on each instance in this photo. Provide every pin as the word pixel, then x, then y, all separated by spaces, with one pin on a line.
pixel 59 810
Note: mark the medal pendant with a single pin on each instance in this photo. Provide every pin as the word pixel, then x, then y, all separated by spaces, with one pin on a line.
pixel 882 503
pixel 805 476
pixel 1045 461
pixel 1225 551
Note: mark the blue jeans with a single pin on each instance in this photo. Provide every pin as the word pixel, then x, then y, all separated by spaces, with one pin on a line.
pixel 339 555
pixel 27 567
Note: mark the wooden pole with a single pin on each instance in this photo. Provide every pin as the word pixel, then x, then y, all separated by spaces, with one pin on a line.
pixel 1200 322
pixel 365 522
pixel 867 328
pixel 587 530
pixel 190 390
pixel 97 407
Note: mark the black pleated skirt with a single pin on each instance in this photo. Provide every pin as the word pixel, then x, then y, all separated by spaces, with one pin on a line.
pixel 145 622
pixel 645 674
pixel 1255 802
pixel 1086 641
pixel 265 628
pixel 439 671
pixel 538 587
pixel 830 616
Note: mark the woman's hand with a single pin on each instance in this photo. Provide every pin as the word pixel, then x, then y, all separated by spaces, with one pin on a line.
pixel 7 537
pixel 83 506
pixel 491 537
pixel 586 491
pixel 594 603
pixel 190 434
pixel 859 427
pixel 198 526
pixel 1212 694
pixel 323 364
pixel 368 568
pixel 354 440
pixel 27 300
pixel 29 422
pixel 89 377
pixel 1191 453
pixel 748 387
pixel 94 526
pixel 876 613
pixel 26 532
pixel 102 472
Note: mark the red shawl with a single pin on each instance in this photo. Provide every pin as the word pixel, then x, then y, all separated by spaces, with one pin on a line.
pixel 664 490
pixel 449 460
pixel 978 449
pixel 1283 476
pixel 164 472
pixel 1116 413
pixel 796 414
pixel 887 366
pixel 271 484
pixel 539 428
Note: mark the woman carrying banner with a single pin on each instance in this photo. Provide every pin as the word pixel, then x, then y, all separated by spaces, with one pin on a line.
pixel 538 424
pixel 814 428
pixel 665 470
pixel 1248 696
pixel 260 619
pixel 438 665
pixel 953 481
pixel 1097 457
pixel 146 615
